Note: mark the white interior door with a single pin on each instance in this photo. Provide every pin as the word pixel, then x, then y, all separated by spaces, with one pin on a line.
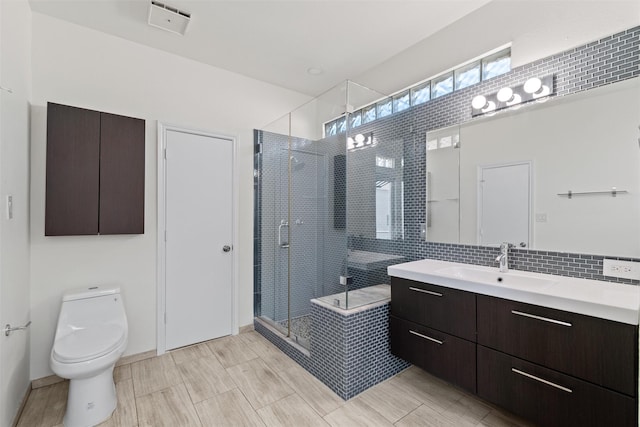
pixel 199 236
pixel 504 204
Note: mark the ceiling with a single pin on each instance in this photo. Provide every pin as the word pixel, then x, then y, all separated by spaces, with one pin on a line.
pixel 276 41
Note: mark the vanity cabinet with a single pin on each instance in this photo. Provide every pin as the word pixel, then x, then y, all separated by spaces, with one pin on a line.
pixel 95 172
pixel 553 367
pixel 445 309
pixel 548 397
pixel 434 328
pixel 600 351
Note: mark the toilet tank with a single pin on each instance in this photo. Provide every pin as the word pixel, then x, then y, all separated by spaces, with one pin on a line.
pixel 84 307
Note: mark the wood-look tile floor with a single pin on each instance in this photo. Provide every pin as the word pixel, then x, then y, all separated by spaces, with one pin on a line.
pixel 245 380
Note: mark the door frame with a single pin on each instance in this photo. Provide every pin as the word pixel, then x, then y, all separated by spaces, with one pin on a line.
pixel 161 260
pixel 480 168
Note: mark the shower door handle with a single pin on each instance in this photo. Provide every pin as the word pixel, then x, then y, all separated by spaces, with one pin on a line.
pixel 282 244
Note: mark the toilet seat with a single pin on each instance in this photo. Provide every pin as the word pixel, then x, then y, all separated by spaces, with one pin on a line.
pixel 88 343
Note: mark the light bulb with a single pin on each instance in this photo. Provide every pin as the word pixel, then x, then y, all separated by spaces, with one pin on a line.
pixel 542 92
pixel 532 85
pixel 479 102
pixel 515 99
pixel 505 94
pixel 359 138
pixel 490 106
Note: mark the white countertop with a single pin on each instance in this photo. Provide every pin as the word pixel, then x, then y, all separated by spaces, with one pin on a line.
pixel 605 300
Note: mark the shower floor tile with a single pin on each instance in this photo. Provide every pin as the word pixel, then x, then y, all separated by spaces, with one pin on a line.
pixel 300 326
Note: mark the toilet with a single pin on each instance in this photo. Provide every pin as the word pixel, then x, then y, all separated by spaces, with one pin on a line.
pixel 91 335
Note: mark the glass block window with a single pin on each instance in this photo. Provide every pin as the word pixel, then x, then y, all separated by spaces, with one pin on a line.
pixel 341 125
pixel 496 64
pixel 330 128
pixel 401 102
pixel 385 107
pixel 442 85
pixel 421 94
pixel 467 75
pixel 369 114
pixel 356 119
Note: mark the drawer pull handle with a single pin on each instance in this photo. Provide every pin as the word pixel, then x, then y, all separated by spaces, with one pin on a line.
pixel 437 294
pixel 426 337
pixel 544 319
pixel 533 377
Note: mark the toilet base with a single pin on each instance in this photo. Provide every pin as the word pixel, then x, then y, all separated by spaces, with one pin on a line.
pixel 91 400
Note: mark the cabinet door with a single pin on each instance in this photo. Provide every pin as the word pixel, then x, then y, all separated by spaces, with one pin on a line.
pixel 121 175
pixel 597 350
pixel 450 358
pixel 73 171
pixel 547 397
pixel 448 310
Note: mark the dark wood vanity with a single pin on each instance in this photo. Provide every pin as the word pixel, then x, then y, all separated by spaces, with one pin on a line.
pixel 553 367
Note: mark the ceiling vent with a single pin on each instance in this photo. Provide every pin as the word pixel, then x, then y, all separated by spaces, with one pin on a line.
pixel 168 18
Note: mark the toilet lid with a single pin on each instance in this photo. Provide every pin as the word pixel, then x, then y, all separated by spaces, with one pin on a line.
pixel 88 343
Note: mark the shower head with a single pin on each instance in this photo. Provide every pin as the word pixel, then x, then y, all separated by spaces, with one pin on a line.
pixel 296 164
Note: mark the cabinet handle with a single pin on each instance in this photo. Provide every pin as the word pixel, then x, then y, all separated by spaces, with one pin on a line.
pixel 533 377
pixel 426 337
pixel 437 294
pixel 544 319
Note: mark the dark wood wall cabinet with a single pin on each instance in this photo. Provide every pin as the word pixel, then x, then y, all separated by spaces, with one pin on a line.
pixel 95 172
pixel 552 367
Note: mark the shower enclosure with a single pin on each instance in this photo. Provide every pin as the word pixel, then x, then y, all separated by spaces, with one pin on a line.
pixel 311 167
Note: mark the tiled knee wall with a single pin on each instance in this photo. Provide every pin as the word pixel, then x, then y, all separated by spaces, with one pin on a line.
pixel 349 351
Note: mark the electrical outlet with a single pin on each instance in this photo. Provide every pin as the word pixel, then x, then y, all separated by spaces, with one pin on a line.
pixel 621 269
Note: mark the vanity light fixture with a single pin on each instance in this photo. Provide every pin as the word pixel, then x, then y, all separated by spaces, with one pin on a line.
pixel 535 88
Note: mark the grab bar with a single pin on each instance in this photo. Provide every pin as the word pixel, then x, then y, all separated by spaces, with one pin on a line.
pixel 283 223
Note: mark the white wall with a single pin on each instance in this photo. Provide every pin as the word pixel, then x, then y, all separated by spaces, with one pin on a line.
pixel 582 142
pixel 15 40
pixel 81 67
pixel 535 28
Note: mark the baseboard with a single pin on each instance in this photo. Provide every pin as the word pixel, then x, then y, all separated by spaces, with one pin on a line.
pixel 53 379
pixel 21 408
pixel 136 357
pixel 45 381
pixel 246 328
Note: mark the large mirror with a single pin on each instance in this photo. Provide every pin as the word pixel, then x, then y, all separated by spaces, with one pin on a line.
pixel 563 175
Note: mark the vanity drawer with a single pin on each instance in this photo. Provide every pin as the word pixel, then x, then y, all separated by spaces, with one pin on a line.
pixel 547 397
pixel 597 350
pixel 445 309
pixel 450 358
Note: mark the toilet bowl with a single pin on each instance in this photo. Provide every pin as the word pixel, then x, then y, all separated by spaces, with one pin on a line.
pixel 91 335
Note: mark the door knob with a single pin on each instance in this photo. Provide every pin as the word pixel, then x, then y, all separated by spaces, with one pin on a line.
pixel 226 248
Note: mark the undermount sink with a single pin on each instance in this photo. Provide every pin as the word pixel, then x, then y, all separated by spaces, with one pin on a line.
pixel 494 277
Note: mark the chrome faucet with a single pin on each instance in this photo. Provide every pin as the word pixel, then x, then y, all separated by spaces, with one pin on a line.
pixel 503 258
